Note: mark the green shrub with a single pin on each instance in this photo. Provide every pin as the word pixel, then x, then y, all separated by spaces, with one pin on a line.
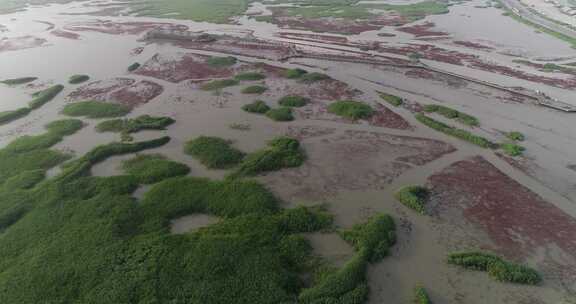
pixel 255 89
pixel 214 152
pixel 305 219
pixel 152 168
pixel 351 109
pixel 376 236
pixel 9 116
pixel 133 125
pixel 458 133
pixel 515 135
pixel 95 109
pixel 44 96
pixel 452 114
pixel 421 296
pixel 294 73
pixel 221 61
pixel 258 106
pixel 512 149
pixel 76 79
pixel 391 99
pixel 496 267
pixel 17 81
pixel 280 114
pixel 25 180
pixel 293 101
pixel 312 77
pixel 64 127
pixel 413 197
pixel 250 76
pixel 133 67
pixel 282 152
pixel 219 84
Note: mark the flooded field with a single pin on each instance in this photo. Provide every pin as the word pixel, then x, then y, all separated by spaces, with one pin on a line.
pixel 521 207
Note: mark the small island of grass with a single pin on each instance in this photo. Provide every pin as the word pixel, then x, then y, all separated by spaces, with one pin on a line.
pixel 413 197
pixel 95 109
pixel 255 89
pixel 219 84
pixel 76 79
pixel 152 168
pixel 258 106
pixel 351 109
pixel 280 114
pixel 293 101
pixel 214 152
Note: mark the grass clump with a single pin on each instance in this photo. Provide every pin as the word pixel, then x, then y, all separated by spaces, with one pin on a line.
pixel 219 84
pixel 512 149
pixel 348 285
pixel 455 132
pixel 220 62
pixel 312 77
pixel 258 106
pixel 95 109
pixel 133 67
pixel 391 99
pixel 25 180
pixel 515 135
pixel 498 268
pixel 9 116
pixel 293 101
pixel 255 89
pixel 17 81
pixel 351 109
pixel 282 152
pixel 294 73
pixel 413 197
pixel 214 152
pixel 280 114
pixel 452 114
pixel 421 296
pixel 133 125
pixel 249 76
pixel 76 79
pixel 44 96
pixel 152 168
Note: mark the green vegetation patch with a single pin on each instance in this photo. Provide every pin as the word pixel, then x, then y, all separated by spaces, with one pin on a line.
pixel 9 116
pixel 282 152
pixel 44 96
pixel 220 62
pixel 280 114
pixel 512 149
pixel 293 101
pixel 214 11
pixel 312 77
pixel 17 81
pixel 416 10
pixel 351 109
pixel 348 285
pixel 258 106
pixel 250 76
pixel 95 109
pixel 219 84
pixel 515 135
pixel 413 197
pixel 152 168
pixel 294 73
pixel 452 114
pixel 133 67
pixel 421 296
pixel 76 79
pixel 133 125
pixel 255 89
pixel 498 268
pixel 455 132
pixel 391 99
pixel 214 152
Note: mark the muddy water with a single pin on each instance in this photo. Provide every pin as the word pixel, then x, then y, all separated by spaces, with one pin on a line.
pixel 331 247
pixel 13 98
pixel 423 241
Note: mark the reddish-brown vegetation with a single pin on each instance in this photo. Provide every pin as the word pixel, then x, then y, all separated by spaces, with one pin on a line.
pixel 137 93
pixel 65 34
pixel 517 220
pixel 387 118
pixel 422 30
pixel 20 43
pixel 180 67
pixel 99 90
pixel 473 45
pixel 121 90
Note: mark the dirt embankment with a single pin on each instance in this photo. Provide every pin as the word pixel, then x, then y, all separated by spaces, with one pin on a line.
pixel 121 90
pixel 519 222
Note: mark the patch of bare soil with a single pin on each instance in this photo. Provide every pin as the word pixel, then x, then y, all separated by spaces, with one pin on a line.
pixel 122 90
pixel 307 132
pixel 519 222
pixel 120 28
pixel 354 160
pixel 20 43
pixel 422 30
pixel 179 67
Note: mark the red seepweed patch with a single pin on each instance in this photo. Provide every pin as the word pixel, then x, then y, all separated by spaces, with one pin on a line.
pixel 422 30
pixel 387 118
